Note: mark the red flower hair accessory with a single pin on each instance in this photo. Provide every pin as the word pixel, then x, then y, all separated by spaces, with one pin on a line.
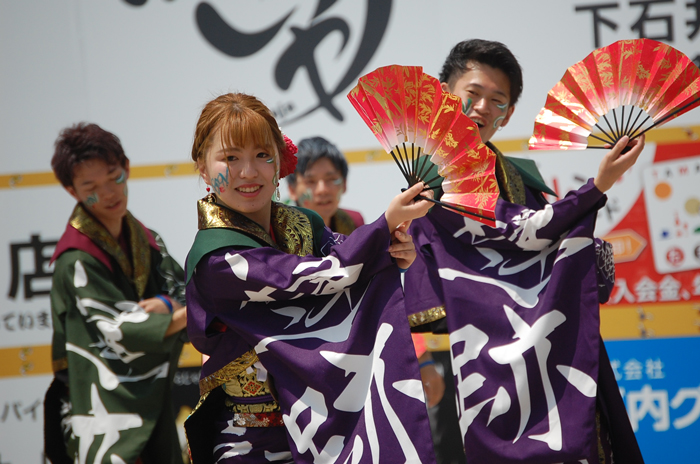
pixel 288 159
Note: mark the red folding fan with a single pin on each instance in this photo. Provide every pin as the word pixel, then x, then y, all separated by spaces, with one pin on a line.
pixel 412 118
pixel 638 84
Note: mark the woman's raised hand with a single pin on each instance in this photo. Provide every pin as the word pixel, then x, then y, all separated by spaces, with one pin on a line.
pixel 404 208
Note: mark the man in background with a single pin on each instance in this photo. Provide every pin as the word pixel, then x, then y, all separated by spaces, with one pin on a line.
pixel 320 182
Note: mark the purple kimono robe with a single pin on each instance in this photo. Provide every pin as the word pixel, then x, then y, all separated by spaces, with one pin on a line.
pixel 521 304
pixel 331 331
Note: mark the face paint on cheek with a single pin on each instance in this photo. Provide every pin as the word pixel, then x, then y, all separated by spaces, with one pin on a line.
pixel 122 177
pixel 306 198
pixel 220 182
pixel 467 106
pixel 92 200
pixel 126 191
pixel 499 120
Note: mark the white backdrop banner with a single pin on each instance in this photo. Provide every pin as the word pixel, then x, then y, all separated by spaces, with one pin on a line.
pixel 143 69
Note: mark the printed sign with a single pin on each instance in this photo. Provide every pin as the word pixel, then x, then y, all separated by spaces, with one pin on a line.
pixel 672 198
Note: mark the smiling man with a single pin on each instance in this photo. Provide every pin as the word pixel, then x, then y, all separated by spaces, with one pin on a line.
pixel 320 182
pixel 116 306
pixel 488 79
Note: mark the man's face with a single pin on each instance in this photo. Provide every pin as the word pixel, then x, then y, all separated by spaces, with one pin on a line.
pixel 319 188
pixel 101 188
pixel 485 94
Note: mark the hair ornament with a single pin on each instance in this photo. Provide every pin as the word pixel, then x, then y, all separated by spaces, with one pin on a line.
pixel 288 159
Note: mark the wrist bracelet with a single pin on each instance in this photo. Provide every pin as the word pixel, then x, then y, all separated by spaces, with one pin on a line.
pixel 167 302
pixel 426 363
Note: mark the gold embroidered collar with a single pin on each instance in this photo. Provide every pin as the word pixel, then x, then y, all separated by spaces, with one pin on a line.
pixel 510 182
pixel 342 223
pixel 292 228
pixel 138 268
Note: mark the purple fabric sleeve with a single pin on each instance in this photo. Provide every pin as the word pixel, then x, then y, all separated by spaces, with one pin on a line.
pixel 265 274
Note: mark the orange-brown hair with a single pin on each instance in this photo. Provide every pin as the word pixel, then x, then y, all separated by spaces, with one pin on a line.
pixel 242 119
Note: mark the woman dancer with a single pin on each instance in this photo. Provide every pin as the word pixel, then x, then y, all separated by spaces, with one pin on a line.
pixel 274 295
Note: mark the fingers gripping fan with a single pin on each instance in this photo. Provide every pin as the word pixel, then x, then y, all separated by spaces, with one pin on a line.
pixel 626 88
pixel 415 120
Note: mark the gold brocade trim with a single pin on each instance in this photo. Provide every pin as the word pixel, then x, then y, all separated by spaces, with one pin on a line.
pixel 510 182
pixel 228 372
pixel 427 316
pixel 269 419
pixel 85 223
pixel 292 230
pixel 291 227
pixel 342 223
pixel 246 385
pixel 59 364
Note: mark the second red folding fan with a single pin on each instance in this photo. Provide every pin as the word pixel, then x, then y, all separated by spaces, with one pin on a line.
pixel 625 88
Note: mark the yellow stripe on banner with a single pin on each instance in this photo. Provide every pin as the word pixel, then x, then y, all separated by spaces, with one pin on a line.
pixel 37 179
pixel 650 320
pixel 22 361
pixel 25 360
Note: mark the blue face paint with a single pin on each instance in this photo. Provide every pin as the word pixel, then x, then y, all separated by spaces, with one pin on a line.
pixel 502 107
pixel 92 200
pixel 467 106
pixel 497 122
pixel 122 177
pixel 306 198
pixel 338 181
pixel 270 161
pixel 220 182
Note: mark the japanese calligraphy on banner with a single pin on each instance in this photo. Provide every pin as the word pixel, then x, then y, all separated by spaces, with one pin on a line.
pixel 652 220
pixel 662 394
pixel 143 69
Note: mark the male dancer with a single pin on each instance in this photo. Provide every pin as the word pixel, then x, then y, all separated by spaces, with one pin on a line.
pixel 488 79
pixel 117 315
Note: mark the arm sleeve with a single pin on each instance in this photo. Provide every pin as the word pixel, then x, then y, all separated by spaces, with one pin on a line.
pixel 172 273
pixel 86 295
pixel 265 274
pixel 525 227
pixel 605 269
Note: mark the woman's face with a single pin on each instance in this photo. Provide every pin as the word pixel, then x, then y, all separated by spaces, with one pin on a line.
pixel 242 177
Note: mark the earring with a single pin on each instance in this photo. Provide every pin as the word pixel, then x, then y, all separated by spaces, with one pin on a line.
pixel 277 193
pixel 208 189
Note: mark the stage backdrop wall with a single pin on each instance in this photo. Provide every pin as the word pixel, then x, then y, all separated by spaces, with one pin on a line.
pixel 144 68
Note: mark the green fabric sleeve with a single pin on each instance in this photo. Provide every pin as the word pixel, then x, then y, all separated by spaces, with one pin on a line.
pixel 96 304
pixel 171 271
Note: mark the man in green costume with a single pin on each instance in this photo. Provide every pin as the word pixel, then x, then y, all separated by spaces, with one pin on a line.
pixel 116 304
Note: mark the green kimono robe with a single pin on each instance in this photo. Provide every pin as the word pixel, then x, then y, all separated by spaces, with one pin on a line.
pixel 110 353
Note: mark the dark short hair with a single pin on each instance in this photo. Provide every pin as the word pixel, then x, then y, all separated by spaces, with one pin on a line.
pixel 313 149
pixel 83 142
pixel 487 52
